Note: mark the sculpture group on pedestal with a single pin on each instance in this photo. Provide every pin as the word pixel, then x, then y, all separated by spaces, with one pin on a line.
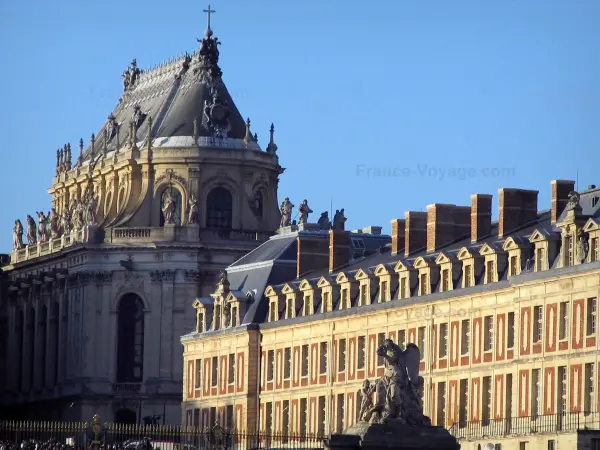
pixel 53 225
pixel 398 392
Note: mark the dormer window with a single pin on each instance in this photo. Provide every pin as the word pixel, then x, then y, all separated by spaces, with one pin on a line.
pixel 289 310
pixel 308 297
pixel 345 299
pixel 568 251
pixel 467 275
pixel 307 306
pixel 327 302
pixel 383 292
pixel 540 260
pixel 513 266
pixel 200 326
pixel 234 316
pixel 364 298
pixel 217 320
pixel 490 276
pixel 423 289
pixel 445 280
pixel 273 312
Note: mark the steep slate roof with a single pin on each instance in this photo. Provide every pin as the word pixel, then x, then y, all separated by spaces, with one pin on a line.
pixel 173 95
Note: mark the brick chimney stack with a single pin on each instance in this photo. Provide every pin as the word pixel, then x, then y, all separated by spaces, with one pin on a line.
pixel 398 226
pixel 415 232
pixel 481 216
pixel 560 197
pixel 446 223
pixel 339 249
pixel 517 208
pixel 313 253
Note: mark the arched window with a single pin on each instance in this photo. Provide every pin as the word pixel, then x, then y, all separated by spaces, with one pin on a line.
pixel 219 206
pixel 177 199
pixel 258 203
pixel 130 350
pixel 31 338
pixel 19 331
pixel 54 343
pixel 42 326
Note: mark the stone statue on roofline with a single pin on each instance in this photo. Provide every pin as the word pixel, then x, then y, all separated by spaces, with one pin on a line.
pixel 31 231
pixel 573 202
pixel 339 220
pixel 54 224
pixel 18 235
pixel 42 226
pixel 286 212
pixel 304 210
pixel 324 222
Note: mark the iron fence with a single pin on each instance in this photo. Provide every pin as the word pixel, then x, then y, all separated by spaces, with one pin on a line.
pixel 95 436
pixel 550 423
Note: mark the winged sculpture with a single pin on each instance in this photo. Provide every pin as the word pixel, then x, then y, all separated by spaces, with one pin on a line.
pixel 398 393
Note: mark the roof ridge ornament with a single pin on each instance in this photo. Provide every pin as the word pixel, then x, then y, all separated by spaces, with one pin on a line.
pixel 207 70
pixel 272 147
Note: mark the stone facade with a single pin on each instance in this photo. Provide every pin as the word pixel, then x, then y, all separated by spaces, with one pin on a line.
pixel 172 189
pixel 507 327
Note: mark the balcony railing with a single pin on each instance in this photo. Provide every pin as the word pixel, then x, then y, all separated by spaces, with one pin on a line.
pixel 510 426
pixel 233 235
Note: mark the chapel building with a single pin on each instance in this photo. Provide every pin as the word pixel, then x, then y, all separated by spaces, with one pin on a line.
pixel 171 189
pixel 504 313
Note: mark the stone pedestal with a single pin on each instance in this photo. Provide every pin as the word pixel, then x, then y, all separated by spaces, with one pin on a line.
pixel 193 232
pixel 392 436
pixel 169 231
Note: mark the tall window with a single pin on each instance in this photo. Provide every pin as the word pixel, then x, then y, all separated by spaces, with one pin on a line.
pixel 539 260
pixel 443 341
pixel 537 323
pixel 568 251
pixel 563 325
pixel 510 334
pixel 176 195
pixel 445 280
pixel 130 350
pixel 594 250
pixel 489 272
pixel 591 316
pixel 219 207
pixel 465 335
pixel 423 285
pixel 513 266
pixel 488 337
pixel 19 331
pixel 258 203
pixel 467 275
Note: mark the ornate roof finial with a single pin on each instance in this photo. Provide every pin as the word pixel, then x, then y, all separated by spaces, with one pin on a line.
pixel 272 147
pixel 93 140
pixel 57 162
pixel 80 149
pixel 248 137
pixel 68 157
pixel 149 132
pixel 208 33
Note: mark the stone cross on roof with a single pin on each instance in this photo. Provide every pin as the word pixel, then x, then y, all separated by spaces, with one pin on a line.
pixel 208 13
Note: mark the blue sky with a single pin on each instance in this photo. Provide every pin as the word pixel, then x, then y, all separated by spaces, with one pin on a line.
pixel 379 107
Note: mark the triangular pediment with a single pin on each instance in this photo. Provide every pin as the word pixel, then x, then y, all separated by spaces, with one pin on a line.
pixel 403 265
pixel 288 288
pixel 324 281
pixel 488 249
pixel 362 274
pixel 593 224
pixel 442 258
pixel 382 269
pixel 272 291
pixel 235 296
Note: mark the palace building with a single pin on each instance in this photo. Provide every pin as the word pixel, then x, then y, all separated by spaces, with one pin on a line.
pixel 504 313
pixel 171 189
